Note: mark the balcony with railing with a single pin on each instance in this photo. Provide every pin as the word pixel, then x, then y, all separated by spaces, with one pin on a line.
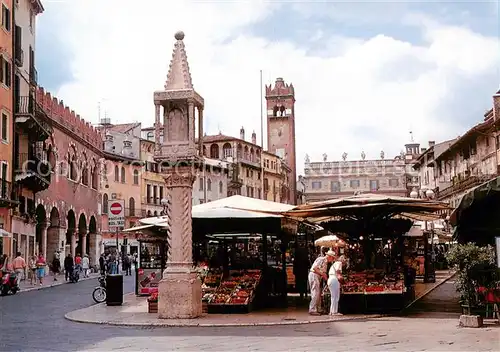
pixel 463 184
pixel 31 118
pixel 32 172
pixel 7 194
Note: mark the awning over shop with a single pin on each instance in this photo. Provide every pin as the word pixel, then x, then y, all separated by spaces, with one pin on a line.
pixel 364 204
pixel 476 216
pixel 245 203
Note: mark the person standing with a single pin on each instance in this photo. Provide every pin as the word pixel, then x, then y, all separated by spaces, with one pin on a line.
pixel 32 268
pixel 68 266
pixel 78 263
pixel 56 265
pixel 102 265
pixel 19 265
pixel 334 279
pixel 40 267
pixel 126 264
pixel 86 265
pixel 316 273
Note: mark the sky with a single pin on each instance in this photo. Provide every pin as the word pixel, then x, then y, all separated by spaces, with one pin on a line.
pixel 365 73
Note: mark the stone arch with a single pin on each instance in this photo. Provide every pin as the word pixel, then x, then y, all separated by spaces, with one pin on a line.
pixel 214 151
pixel 275 110
pixel 117 173
pixel 70 233
pixel 252 156
pixel 204 150
pixel 239 151
pixel 227 150
pixel 149 213
pixel 41 228
pixel 73 164
pixel 245 152
pixel 53 238
pixel 82 234
pixel 92 241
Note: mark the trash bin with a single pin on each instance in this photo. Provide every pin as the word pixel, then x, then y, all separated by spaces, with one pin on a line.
pixel 114 290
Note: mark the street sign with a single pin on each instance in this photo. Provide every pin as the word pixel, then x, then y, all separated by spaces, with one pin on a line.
pixel 116 214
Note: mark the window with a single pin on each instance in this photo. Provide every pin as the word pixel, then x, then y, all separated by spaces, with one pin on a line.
pixel 131 206
pixel 5 72
pixel 209 185
pixel 4 127
pixel 373 185
pixel 136 177
pixel 150 136
pixel 123 174
pixel 6 20
pixel 221 187
pixel 201 183
pixel 155 194
pixel 354 183
pixel 335 186
pixel 4 190
pixel 104 203
pixel 316 185
pixel 161 193
pixel 394 182
pixel 117 174
pixel 148 194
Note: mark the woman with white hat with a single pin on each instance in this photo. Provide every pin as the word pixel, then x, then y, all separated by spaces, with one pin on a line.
pixel 318 271
pixel 334 278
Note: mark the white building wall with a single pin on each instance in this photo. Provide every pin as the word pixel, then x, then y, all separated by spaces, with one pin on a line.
pixel 26 19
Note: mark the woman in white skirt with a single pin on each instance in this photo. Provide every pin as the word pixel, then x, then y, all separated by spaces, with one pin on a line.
pixel 334 277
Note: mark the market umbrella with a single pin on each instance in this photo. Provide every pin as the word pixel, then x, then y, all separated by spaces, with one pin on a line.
pixel 329 241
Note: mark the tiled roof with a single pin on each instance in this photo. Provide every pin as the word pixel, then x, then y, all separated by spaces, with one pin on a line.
pixel 124 127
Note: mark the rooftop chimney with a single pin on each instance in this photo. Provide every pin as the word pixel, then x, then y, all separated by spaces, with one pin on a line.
pixel 432 143
pixel 254 138
pixel 242 133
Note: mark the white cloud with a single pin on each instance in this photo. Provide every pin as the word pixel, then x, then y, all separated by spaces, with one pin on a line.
pixel 366 96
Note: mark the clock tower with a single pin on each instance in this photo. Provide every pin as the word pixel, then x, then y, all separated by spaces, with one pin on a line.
pixel 280 102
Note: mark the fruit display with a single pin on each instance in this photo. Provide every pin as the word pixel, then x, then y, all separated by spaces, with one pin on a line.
pixel 237 289
pixel 373 282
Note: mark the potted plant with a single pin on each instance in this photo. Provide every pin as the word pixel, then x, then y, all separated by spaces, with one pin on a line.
pixel 153 303
pixel 476 268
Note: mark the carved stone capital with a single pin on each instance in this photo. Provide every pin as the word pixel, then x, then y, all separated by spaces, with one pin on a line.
pixel 179 177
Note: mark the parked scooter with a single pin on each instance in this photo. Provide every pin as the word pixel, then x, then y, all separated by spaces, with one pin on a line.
pixel 8 283
pixel 99 294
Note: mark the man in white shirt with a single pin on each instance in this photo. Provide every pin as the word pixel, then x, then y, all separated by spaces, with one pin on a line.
pixel 318 272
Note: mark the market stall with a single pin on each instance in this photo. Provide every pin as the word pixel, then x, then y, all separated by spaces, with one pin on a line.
pixel 229 283
pixel 376 278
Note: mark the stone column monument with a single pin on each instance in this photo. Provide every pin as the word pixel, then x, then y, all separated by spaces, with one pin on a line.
pixel 180 289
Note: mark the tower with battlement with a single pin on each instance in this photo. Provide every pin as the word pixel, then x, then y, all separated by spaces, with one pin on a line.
pixel 280 102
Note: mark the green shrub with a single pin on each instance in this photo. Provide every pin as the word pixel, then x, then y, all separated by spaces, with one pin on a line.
pixel 476 266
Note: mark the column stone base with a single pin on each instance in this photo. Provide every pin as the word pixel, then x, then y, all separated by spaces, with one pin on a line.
pixel 179 296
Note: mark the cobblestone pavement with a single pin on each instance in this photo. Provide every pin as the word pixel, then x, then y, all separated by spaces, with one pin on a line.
pixel 34 321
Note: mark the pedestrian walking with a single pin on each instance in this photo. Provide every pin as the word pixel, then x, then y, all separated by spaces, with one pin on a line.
pixel 86 265
pixel 32 270
pixel 126 265
pixel 56 265
pixel 68 266
pixel 40 267
pixel 19 265
pixel 78 263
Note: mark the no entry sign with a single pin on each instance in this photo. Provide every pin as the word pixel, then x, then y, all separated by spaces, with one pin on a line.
pixel 116 214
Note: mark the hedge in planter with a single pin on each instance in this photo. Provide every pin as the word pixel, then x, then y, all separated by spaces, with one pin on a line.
pixel 476 267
